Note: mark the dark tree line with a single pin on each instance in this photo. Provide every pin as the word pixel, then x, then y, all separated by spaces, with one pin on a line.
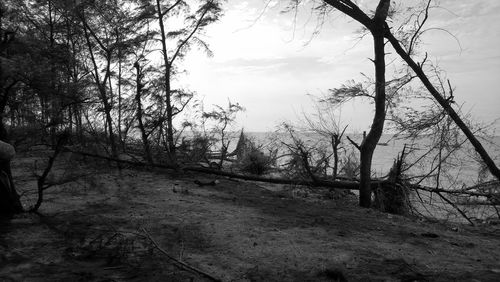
pixel 88 68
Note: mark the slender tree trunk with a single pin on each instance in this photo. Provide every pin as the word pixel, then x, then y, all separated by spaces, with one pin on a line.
pixel 70 120
pixel 109 121
pixel 335 148
pixel 120 137
pixel 370 142
pixel 145 142
pixel 168 90
pixel 50 93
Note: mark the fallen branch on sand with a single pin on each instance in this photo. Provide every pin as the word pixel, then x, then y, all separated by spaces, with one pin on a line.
pixel 179 263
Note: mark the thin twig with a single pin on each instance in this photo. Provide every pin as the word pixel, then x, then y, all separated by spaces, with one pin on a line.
pixel 178 262
pixel 354 143
pixel 456 207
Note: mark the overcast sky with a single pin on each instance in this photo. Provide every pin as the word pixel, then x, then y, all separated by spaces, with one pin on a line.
pixel 268 62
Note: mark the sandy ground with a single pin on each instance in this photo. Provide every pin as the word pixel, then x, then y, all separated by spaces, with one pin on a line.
pixel 93 229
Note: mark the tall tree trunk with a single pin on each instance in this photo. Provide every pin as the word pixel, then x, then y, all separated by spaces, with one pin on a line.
pixel 109 121
pixel 120 137
pixel 53 102
pixel 145 142
pixel 168 89
pixel 370 142
pixel 335 147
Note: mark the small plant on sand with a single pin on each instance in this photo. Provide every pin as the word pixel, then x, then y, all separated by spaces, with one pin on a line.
pixel 256 162
pixel 252 159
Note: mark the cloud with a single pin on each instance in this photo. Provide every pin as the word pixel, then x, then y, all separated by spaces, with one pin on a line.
pixel 264 63
pixel 270 66
pixel 241 6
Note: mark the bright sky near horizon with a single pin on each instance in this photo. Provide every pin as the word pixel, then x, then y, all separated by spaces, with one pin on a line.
pixel 269 64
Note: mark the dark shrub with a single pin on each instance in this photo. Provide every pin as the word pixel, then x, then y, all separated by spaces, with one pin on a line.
pixel 254 161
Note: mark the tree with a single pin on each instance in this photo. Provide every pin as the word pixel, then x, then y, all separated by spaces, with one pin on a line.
pixel 104 46
pixel 207 13
pixel 223 118
pixel 325 123
pixel 380 31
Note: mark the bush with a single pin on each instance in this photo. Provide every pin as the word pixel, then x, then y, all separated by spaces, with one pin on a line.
pixel 295 167
pixel 255 162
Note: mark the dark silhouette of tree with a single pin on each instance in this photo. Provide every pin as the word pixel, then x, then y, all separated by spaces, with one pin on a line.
pixel 69 65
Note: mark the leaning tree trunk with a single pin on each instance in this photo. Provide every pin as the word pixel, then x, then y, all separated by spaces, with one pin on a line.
pixel 445 104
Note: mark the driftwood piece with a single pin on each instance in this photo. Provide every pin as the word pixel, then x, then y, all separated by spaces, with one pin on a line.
pixel 177 262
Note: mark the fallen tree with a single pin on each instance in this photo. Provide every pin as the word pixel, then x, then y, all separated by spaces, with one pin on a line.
pixel 349 185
